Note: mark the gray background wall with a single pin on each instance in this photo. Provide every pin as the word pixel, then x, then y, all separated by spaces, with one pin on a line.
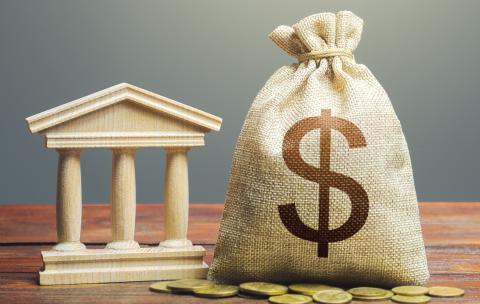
pixel 215 55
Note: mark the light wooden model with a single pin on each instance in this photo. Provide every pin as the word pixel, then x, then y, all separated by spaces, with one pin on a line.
pixel 122 118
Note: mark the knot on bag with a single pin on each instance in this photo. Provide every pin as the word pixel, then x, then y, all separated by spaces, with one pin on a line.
pixel 320 36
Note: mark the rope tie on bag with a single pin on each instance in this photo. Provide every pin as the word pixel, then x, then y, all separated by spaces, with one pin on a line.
pixel 317 55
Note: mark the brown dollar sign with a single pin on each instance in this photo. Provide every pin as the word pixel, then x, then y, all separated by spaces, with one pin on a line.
pixel 325 179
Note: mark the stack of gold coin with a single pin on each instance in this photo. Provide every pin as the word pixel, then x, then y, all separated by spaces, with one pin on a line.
pixel 445 292
pixel 290 299
pixel 411 299
pixel 410 294
pixel 217 291
pixel 332 296
pixel 420 294
pixel 189 285
pixel 161 287
pixel 304 292
pixel 370 293
pixel 262 289
pixel 309 289
pixel 410 290
pixel 387 295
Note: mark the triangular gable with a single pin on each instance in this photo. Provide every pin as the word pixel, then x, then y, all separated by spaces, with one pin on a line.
pixel 118 93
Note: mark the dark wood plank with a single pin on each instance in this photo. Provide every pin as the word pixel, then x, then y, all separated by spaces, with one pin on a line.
pixel 23 288
pixel 451 230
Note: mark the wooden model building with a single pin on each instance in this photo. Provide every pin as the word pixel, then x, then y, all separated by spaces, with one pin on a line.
pixel 122 118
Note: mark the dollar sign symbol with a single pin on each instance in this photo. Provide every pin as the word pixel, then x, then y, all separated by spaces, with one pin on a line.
pixel 325 179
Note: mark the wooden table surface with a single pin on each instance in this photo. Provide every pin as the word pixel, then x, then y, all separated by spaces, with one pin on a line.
pixel 451 231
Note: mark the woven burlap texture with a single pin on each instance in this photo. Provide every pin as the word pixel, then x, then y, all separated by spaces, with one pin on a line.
pixel 253 243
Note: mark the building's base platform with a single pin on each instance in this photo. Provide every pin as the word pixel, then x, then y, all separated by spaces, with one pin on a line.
pixel 108 265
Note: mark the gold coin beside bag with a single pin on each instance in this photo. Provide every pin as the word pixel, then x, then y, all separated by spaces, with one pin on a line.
pixel 304 293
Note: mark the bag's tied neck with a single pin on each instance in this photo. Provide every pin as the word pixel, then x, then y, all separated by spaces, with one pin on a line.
pixel 320 36
pixel 317 55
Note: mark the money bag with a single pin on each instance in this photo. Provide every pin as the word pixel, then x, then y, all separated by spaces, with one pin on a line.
pixel 321 186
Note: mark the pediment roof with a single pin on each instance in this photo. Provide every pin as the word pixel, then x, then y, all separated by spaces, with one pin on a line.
pixel 116 94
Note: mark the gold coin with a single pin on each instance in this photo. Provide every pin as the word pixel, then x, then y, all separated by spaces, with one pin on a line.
pixel 410 299
pixel 332 297
pixel 388 295
pixel 290 299
pixel 367 292
pixel 261 288
pixel 445 291
pixel 309 289
pixel 189 285
pixel 410 290
pixel 217 291
pixel 160 287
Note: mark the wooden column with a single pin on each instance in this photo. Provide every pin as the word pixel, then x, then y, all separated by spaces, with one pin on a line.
pixel 69 201
pixel 176 198
pixel 123 199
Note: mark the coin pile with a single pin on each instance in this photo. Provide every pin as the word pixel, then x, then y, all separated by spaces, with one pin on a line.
pixel 200 288
pixel 305 293
pixel 370 293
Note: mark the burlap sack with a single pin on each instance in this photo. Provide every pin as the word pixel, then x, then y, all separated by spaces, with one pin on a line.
pixel 321 187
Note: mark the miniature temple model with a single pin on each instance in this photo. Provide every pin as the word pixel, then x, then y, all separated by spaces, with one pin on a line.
pixel 122 118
